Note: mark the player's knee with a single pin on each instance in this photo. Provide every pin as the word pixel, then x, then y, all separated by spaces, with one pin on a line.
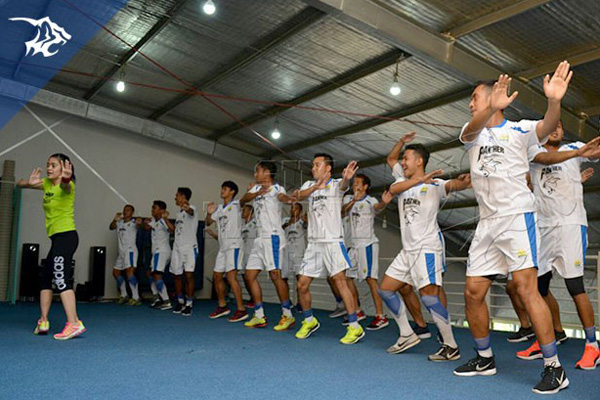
pixel 575 286
pixel 116 273
pixel 474 296
pixel 274 275
pixel 429 290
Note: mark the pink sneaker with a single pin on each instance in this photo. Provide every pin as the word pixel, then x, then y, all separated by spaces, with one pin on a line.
pixel 70 331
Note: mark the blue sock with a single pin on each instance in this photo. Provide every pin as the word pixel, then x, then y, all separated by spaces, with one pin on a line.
pixel 160 284
pixel 257 306
pixel 434 305
pixel 189 302
pixel 352 317
pixel 484 346
pixel 550 354
pixel 120 280
pixel 287 304
pixel 391 300
pixel 338 299
pixel 590 334
pixel 180 299
pixel 308 315
pixel 133 280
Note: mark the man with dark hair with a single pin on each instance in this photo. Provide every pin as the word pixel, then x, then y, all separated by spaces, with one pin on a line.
pixel 269 246
pixel 365 245
pixel 507 237
pixel 161 253
pixel 326 253
pixel 185 250
pixel 229 258
pixel 127 227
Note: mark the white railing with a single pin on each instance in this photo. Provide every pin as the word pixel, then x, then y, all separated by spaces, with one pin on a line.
pixel 502 315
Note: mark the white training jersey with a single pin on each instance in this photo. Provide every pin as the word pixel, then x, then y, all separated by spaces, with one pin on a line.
pixel 249 233
pixel 126 234
pixel 186 229
pixel 558 189
pixel 397 171
pixel 295 234
pixel 229 222
pixel 325 212
pixel 346 222
pixel 418 209
pixel 362 222
pixel 499 167
pixel 160 236
pixel 268 211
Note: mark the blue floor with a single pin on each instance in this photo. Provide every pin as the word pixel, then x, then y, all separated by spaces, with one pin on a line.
pixel 139 353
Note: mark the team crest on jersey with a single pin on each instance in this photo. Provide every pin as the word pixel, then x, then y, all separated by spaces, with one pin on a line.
pixel 578 263
pixel 503 137
pixel 424 189
pixel 522 253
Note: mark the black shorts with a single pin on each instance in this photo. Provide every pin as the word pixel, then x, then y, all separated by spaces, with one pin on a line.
pixel 58 268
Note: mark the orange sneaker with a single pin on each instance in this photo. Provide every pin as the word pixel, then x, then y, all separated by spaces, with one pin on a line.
pixel 70 331
pixel 591 358
pixel 532 353
pixel 42 327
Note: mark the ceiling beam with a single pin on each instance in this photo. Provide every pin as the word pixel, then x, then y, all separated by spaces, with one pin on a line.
pixel 127 57
pixel 591 111
pixel 574 60
pixel 381 119
pixel 255 51
pixel 379 19
pixel 367 68
pixel 494 17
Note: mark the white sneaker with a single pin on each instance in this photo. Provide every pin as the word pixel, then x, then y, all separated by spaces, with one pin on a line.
pixel 338 312
pixel 404 343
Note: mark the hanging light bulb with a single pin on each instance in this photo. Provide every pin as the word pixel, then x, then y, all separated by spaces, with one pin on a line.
pixel 384 223
pixel 121 83
pixel 395 89
pixel 276 134
pixel 209 7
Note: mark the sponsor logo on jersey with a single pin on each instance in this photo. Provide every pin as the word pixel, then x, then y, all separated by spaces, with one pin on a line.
pixel 522 253
pixel 518 129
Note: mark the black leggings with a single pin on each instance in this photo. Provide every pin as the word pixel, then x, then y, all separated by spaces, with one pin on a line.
pixel 58 268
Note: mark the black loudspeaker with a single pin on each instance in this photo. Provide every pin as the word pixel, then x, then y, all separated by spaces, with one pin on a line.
pixel 97 271
pixel 30 258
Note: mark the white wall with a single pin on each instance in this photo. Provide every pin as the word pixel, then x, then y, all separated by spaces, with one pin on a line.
pixel 140 169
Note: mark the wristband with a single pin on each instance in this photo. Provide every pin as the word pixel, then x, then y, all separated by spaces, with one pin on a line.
pixel 66 180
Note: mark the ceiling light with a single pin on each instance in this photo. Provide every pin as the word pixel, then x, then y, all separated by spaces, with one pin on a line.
pixel 121 83
pixel 209 7
pixel 395 89
pixel 276 134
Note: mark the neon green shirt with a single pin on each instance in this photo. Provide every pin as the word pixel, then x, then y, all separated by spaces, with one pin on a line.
pixel 59 207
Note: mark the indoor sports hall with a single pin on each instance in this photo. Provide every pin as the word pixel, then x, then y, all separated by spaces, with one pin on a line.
pixel 202 166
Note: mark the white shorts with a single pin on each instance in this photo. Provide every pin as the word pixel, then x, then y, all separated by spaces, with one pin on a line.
pixel 418 268
pixel 228 260
pixel 504 244
pixel 183 260
pixel 324 259
pixel 563 249
pixel 126 259
pixel 160 259
pixel 294 262
pixel 267 254
pixel 365 262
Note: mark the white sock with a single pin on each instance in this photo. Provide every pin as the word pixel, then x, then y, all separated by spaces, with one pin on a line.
pixel 403 324
pixel 134 291
pixel 487 353
pixel 189 302
pixel 163 294
pixel 259 312
pixel 445 329
pixel 354 325
pixel 123 289
pixel 552 360
pixel 309 319
pixel 153 288
pixel 287 312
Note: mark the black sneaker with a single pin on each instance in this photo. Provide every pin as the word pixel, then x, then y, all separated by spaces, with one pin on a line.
pixel 187 311
pixel 560 337
pixel 553 380
pixel 422 332
pixel 157 303
pixel 178 308
pixel 522 335
pixel 445 353
pixel 477 366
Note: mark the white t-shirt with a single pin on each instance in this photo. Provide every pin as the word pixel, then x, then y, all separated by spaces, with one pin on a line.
pixel 186 228
pixel 160 236
pixel 126 234
pixel 362 222
pixel 249 233
pixel 295 234
pixel 268 210
pixel 346 222
pixel 418 209
pixel 229 222
pixel 499 167
pixel 325 212
pixel 397 171
pixel 558 189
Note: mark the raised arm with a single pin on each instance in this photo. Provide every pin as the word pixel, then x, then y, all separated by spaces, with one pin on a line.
pixel 586 174
pixel 348 174
pixel 462 182
pixel 165 217
pixel 210 210
pixel 67 174
pixel 34 181
pixel 403 186
pixel 113 224
pixel 186 207
pixel 248 197
pixel 301 195
pixel 555 89
pixel 394 155
pixel 499 100
pixel 589 150
pixel 347 207
pixel 386 198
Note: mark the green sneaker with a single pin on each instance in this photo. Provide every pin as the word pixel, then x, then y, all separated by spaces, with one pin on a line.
pixel 135 302
pixel 122 300
pixel 353 335
pixel 285 323
pixel 256 322
pixel 307 328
